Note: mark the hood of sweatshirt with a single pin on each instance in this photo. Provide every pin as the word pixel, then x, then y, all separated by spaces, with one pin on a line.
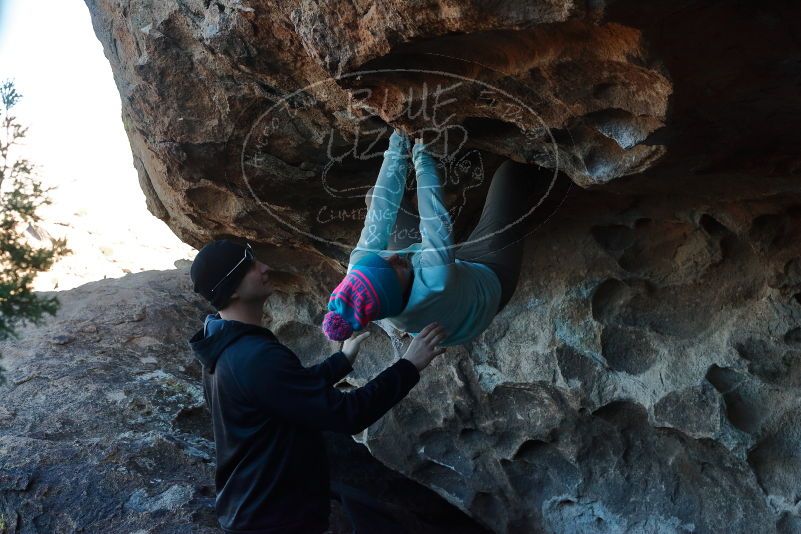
pixel 217 334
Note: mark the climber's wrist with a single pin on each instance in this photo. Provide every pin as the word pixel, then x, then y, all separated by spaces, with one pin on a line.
pixel 421 157
pixel 399 142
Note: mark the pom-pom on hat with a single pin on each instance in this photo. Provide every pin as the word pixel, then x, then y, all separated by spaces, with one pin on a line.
pixel 370 291
pixel 336 327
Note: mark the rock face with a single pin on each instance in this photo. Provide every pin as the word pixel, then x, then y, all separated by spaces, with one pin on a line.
pixel 644 377
pixel 103 426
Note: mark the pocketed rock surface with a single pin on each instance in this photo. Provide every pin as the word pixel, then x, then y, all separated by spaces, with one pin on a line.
pixel 644 376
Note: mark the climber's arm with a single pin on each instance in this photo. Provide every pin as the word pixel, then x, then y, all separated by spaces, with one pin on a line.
pixel 386 198
pixel 435 221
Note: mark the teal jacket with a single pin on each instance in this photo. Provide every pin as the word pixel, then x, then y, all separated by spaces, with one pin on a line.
pixel 460 295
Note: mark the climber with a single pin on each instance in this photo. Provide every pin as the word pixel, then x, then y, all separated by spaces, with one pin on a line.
pixel 413 283
pixel 268 411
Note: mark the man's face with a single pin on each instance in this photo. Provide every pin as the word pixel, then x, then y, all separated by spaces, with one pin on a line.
pixel 255 286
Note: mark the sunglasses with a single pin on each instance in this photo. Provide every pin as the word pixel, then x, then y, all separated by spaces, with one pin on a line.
pixel 248 256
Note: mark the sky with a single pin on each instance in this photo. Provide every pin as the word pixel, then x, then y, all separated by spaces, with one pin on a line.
pixel 72 109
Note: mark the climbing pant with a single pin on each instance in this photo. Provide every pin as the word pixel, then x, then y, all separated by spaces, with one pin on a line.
pixel 407 224
pixel 515 189
pixel 497 240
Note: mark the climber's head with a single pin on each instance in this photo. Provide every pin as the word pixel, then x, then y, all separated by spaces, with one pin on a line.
pixel 226 272
pixel 370 291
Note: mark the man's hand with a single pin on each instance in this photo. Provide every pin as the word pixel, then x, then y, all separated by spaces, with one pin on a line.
pixel 350 347
pixel 423 348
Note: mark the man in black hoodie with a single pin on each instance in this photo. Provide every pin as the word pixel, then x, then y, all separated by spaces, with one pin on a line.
pixel 268 410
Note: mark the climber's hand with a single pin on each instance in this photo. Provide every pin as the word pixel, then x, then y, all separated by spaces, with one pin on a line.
pixel 350 347
pixel 424 347
pixel 428 137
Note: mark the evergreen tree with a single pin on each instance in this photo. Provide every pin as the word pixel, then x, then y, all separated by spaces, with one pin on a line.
pixel 21 195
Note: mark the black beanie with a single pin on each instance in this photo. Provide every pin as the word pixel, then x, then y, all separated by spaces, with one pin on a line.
pixel 210 266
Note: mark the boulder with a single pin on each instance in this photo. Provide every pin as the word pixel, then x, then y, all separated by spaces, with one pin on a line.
pixel 644 376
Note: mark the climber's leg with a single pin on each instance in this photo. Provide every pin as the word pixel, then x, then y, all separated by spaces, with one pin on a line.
pixel 497 239
pixel 407 224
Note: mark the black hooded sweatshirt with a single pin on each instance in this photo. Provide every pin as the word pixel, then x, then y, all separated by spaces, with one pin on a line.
pixel 268 412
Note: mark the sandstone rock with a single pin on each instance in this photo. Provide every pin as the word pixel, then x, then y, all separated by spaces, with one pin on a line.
pixel 625 387
pixel 62 339
pixel 644 377
pixel 89 328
